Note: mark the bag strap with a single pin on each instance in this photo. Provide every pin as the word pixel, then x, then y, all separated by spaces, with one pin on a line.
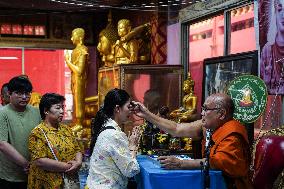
pixel 49 144
pixel 105 128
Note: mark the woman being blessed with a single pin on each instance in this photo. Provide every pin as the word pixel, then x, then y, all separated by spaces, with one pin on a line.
pixel 53 148
pixel 113 154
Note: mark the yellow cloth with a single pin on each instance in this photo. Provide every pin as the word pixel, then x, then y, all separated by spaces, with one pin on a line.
pixel 64 146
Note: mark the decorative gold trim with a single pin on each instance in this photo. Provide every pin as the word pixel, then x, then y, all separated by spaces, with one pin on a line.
pixel 92 99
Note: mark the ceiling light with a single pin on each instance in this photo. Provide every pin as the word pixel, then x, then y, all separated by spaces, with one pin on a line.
pixel 8 58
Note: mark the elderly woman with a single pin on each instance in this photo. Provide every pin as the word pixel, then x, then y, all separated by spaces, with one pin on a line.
pixel 45 171
pixel 113 156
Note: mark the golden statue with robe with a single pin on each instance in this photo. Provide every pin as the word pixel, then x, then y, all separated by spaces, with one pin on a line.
pixel 124 45
pixel 35 99
pixel 131 47
pixel 77 63
pixel 187 112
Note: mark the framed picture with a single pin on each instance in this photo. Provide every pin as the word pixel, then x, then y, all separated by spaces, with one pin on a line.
pixel 219 71
pixel 271 57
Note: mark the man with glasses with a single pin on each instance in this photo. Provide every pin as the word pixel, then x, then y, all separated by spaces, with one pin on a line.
pixel 230 147
pixel 17 119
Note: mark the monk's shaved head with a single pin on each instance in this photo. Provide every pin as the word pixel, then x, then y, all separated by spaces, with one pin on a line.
pixel 223 101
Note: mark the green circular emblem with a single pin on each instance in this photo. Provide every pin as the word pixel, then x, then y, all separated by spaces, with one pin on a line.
pixel 249 94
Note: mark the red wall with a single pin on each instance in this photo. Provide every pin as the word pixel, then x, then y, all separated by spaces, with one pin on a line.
pixel 45 68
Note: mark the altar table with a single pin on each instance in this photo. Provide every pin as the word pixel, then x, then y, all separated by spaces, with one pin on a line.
pixel 152 176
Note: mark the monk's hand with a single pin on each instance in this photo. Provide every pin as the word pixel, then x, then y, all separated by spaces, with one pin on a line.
pixel 170 162
pixel 139 109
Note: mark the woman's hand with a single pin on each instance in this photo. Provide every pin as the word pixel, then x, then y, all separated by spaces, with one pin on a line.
pixel 27 167
pixel 75 166
pixel 134 138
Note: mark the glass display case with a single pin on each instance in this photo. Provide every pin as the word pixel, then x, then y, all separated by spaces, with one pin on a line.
pixel 161 83
pixel 156 86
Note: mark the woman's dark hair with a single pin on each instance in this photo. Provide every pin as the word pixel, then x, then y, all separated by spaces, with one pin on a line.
pixel 113 98
pixel 20 83
pixel 47 100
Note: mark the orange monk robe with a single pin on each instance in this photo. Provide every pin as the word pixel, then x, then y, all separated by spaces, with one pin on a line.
pixel 230 153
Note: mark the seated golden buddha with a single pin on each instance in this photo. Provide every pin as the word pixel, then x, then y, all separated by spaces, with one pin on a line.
pixel 187 112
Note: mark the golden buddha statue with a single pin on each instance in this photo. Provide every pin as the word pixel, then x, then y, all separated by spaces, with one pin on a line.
pixel 77 63
pixel 35 99
pixel 187 112
pixel 107 39
pixel 126 49
pixel 246 100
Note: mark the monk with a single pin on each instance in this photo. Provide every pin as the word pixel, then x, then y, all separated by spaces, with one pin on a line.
pixel 229 151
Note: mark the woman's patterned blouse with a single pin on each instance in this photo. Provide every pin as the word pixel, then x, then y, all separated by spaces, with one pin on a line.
pixel 65 147
pixel 111 162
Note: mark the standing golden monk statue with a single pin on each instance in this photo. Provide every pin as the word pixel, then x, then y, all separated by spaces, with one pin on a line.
pixel 187 112
pixel 77 63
